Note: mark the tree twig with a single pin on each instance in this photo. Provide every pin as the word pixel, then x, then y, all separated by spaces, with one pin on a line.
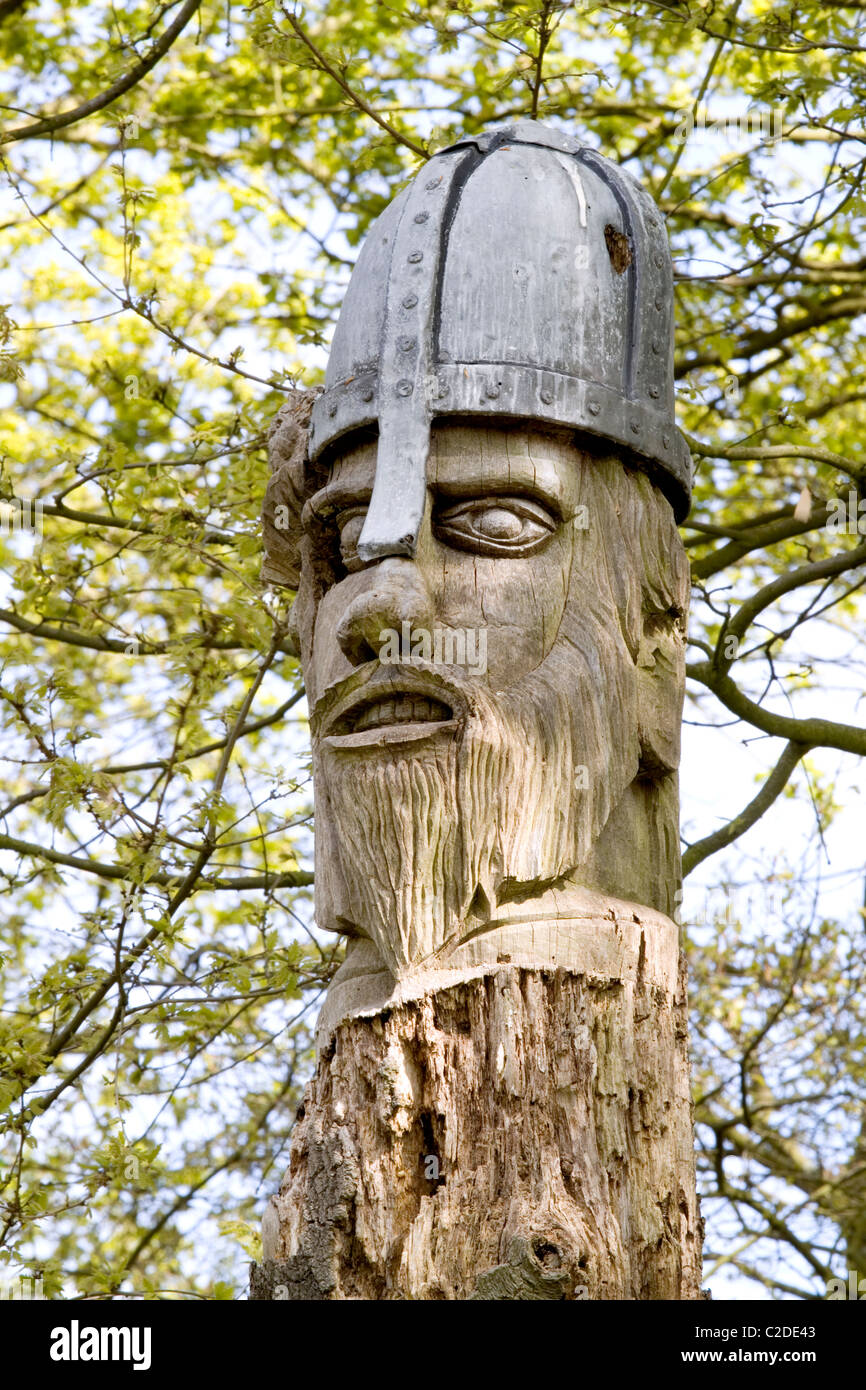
pixel 130 79
pixel 727 834
pixel 355 97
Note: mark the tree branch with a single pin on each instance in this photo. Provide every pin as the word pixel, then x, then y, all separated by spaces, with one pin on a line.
pixel 843 307
pixel 772 788
pixel 191 878
pixel 794 579
pixel 756 452
pixel 755 537
pixel 162 878
pixel 357 100
pixel 130 79
pixel 813 733
pixel 75 638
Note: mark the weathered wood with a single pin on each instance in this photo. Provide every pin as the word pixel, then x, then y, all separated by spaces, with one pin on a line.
pixel 508 1009
pixel 523 1135
pixel 490 615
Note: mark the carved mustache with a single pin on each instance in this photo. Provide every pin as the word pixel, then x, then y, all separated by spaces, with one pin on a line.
pixel 416 690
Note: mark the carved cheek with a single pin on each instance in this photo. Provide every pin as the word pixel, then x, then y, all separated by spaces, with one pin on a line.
pixel 661 678
pixel 517 601
pixel 328 662
pixel 303 626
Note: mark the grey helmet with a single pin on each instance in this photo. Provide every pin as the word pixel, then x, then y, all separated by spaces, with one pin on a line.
pixel 519 275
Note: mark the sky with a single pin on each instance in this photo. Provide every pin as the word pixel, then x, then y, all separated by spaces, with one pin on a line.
pixel 722 763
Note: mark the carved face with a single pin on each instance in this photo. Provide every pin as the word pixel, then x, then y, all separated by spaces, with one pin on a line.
pixel 494 555
pixel 480 710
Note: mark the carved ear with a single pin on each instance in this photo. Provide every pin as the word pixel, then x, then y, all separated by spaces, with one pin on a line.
pixel 286 490
pixel 660 673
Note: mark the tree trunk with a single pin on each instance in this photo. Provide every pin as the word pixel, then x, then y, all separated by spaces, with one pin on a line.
pixel 501 1106
pixel 524 1134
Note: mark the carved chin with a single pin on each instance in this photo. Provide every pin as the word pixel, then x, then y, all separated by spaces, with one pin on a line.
pixel 433 836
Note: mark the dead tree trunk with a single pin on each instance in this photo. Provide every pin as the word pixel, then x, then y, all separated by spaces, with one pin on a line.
pixel 526 1134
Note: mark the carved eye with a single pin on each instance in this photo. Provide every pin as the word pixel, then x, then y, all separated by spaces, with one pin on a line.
pixel 349 525
pixel 496 526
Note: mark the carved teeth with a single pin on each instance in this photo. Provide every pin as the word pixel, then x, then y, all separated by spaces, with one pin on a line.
pixel 407 709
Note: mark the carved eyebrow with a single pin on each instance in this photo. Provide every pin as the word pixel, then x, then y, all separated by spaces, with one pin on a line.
pixel 492 491
pixel 513 483
pixel 518 477
pixel 329 499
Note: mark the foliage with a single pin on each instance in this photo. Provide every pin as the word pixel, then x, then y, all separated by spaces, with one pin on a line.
pixel 188 186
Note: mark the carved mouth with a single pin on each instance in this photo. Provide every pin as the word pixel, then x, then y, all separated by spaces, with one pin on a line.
pixel 404 708
pixel 394 706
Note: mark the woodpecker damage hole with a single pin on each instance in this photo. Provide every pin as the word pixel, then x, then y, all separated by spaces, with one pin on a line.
pixel 618 248
pixel 431 1158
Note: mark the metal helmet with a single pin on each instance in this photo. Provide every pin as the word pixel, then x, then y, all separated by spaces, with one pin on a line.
pixel 519 275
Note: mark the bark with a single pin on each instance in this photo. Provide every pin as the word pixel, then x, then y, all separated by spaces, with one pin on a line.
pixel 525 1134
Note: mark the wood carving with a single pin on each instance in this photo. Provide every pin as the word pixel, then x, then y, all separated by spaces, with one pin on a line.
pixel 491 605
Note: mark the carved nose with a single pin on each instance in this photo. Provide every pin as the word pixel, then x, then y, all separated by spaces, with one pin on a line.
pixel 394 593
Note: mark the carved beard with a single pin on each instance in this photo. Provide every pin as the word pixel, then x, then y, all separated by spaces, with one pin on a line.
pixel 433 837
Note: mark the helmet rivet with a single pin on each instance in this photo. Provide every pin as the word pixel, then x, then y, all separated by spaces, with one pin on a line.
pixel 546 395
pixel 635 427
pixel 404 388
pixel 593 407
pixel 442 387
pixel 410 301
pixel 406 344
pixel 654 390
pixel 433 183
pixel 367 393
pixel 659 303
pixel 659 259
pixel 492 391
pixel 666 440
pixel 415 256
pixel 656 345
pixel 421 216
pixel 332 409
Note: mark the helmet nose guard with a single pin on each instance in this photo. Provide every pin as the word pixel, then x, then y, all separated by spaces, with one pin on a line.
pixel 519 276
